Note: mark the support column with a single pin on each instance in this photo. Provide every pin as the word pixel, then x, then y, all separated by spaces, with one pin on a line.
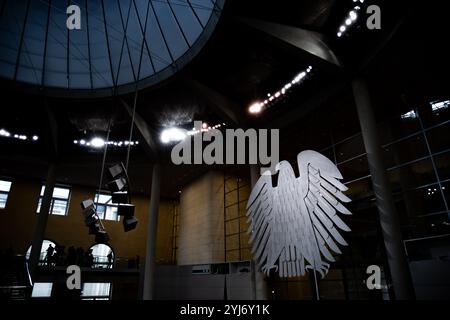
pixel 389 220
pixel 150 257
pixel 259 282
pixel 41 223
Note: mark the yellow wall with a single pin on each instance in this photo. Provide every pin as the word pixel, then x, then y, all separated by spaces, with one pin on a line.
pixel 17 222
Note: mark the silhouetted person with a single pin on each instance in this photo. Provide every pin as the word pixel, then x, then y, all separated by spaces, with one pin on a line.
pixel 48 256
pixel 110 259
pixel 89 258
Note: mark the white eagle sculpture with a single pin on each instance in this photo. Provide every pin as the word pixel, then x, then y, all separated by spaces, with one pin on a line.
pixel 294 226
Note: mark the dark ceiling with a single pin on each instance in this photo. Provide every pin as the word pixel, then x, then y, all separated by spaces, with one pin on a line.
pixel 238 66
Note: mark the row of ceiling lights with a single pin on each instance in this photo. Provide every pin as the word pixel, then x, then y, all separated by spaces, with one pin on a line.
pixel 175 134
pixel 99 143
pixel 351 18
pixel 258 107
pixel 6 134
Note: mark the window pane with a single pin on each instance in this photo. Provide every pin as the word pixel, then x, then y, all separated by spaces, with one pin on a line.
pixel 349 149
pixel 39 205
pixel 96 290
pixel 5 186
pixel 59 207
pixel 42 290
pixel 443 166
pixel 405 151
pixel 439 138
pixel 101 211
pixel 62 193
pixel 3 199
pixel 422 201
pixel 355 169
pixel 412 176
pixel 111 213
pixel 102 198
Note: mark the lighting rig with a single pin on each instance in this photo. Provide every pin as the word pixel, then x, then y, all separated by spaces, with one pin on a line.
pixel 119 186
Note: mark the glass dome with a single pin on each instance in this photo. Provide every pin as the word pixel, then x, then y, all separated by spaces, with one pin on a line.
pixel 120 43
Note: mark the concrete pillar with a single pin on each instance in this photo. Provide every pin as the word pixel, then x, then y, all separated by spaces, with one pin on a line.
pixel 259 281
pixel 389 220
pixel 41 223
pixel 150 257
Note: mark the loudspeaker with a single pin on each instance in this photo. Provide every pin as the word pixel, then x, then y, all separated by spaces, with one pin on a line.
pixel 117 185
pixel 115 171
pixel 90 220
pixel 129 223
pixel 119 197
pixel 87 204
pixel 94 228
pixel 102 237
pixel 126 210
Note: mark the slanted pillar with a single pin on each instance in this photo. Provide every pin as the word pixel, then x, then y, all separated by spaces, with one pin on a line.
pixel 389 220
pixel 150 257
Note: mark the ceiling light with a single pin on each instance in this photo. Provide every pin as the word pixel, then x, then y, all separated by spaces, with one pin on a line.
pixel 255 108
pixel 174 135
pixel 97 142
pixel 353 15
pixel 82 142
pixel 35 138
pixel 4 133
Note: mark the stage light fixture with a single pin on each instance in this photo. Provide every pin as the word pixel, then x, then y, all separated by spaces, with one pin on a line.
pixel 117 185
pixel 92 221
pixel 126 210
pixel 130 223
pixel 86 204
pixel 102 237
pixel 119 197
pixel 115 171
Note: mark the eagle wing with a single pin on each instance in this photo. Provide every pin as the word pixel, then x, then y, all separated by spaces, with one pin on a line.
pixel 323 198
pixel 260 207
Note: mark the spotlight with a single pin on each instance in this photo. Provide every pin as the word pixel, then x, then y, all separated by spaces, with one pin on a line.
pixel 255 108
pixel 130 223
pixel 35 138
pixel 102 237
pixel 4 133
pixel 119 197
pixel 126 210
pixel 91 220
pixel 117 185
pixel 86 204
pixel 173 135
pixel 97 142
pixel 115 171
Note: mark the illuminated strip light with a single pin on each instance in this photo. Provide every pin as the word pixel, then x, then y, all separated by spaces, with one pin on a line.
pixel 272 98
pixel 6 134
pixel 351 18
pixel 99 143
pixel 205 128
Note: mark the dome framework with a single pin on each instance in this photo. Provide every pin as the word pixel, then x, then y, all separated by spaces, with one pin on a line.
pixel 126 44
